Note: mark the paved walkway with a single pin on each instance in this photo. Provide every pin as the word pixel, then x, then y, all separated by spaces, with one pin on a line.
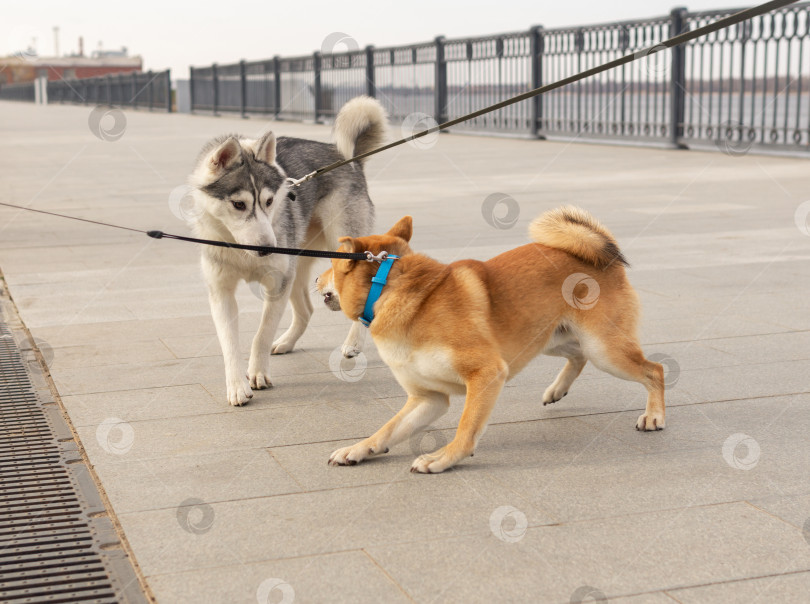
pixel 221 504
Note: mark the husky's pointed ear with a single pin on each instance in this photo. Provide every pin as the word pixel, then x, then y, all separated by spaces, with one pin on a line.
pixel 403 228
pixel 347 244
pixel 226 155
pixel 266 148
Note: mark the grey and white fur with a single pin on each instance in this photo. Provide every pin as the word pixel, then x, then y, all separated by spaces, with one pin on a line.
pixel 241 196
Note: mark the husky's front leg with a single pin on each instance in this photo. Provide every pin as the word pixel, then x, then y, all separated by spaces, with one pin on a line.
pixel 262 349
pixel 225 313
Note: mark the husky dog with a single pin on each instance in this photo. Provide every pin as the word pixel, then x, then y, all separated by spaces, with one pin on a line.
pixel 241 196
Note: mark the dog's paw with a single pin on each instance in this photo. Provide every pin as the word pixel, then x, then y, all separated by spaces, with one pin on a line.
pixel 650 422
pixel 350 456
pixel 433 463
pixel 553 394
pixel 239 392
pixel 282 346
pixel 259 380
pixel 350 351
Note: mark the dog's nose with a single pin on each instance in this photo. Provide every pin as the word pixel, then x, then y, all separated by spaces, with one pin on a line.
pixel 327 298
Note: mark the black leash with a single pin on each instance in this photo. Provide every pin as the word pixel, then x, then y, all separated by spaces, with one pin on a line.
pixel 674 41
pixel 238 246
pixel 269 249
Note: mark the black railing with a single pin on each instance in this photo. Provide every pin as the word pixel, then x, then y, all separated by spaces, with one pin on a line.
pixel 747 84
pixel 18 92
pixel 142 90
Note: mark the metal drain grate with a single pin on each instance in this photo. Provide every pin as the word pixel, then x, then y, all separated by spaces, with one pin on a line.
pixel 56 545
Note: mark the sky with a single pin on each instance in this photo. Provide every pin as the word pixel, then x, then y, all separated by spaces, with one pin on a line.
pixel 178 34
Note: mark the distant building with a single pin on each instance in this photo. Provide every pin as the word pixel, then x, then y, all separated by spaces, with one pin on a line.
pixel 24 68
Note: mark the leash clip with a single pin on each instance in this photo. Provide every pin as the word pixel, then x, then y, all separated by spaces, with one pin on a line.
pixel 378 258
pixel 293 182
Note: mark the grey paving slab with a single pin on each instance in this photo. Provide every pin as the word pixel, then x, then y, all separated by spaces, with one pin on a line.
pixel 793 509
pixel 620 556
pixel 780 588
pixel 344 577
pixel 739 462
pixel 319 522
pixel 722 273
pixel 147 484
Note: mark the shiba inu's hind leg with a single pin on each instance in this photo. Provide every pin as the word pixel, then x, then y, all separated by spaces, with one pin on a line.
pixel 559 388
pixel 418 413
pixel 563 343
pixel 625 359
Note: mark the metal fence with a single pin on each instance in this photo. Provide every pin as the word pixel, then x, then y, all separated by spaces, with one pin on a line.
pixel 18 92
pixel 143 90
pixel 748 84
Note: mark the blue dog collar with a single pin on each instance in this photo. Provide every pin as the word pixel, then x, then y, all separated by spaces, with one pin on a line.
pixel 377 284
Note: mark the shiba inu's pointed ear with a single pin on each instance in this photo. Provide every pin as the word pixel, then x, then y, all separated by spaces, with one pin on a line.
pixel 347 244
pixel 403 228
pixel 266 148
pixel 226 155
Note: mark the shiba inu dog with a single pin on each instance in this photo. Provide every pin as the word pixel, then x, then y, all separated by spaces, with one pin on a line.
pixel 468 327
pixel 241 196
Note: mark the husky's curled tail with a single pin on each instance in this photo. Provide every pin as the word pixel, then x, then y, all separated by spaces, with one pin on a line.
pixel 577 232
pixel 360 126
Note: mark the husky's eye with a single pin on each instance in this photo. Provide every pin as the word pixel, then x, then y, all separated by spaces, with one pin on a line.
pixel 269 201
pixel 239 205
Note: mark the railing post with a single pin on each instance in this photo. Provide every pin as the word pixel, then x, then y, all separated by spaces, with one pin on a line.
pixel 276 87
pixel 536 49
pixel 440 83
pixel 133 102
pixel 371 88
pixel 108 79
pixel 677 86
pixel 191 88
pixel 215 84
pixel 168 91
pixel 243 87
pixel 149 89
pixel 316 67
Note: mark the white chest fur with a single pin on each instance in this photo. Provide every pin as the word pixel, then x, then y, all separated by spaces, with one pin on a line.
pixel 426 367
